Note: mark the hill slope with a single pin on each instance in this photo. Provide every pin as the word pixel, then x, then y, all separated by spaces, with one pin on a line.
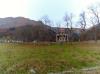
pixel 24 29
pixel 15 22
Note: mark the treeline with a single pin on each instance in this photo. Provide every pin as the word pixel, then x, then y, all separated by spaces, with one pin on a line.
pixel 88 22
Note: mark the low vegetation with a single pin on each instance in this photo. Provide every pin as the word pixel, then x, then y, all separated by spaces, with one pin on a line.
pixel 47 57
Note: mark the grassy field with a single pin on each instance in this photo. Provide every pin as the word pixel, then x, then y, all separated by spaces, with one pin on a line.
pixel 45 57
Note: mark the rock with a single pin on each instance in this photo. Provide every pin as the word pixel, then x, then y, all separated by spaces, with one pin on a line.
pixel 32 71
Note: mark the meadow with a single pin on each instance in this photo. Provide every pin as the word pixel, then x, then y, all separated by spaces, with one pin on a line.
pixel 43 58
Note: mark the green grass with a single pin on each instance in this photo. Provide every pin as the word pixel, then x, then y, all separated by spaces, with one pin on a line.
pixel 44 58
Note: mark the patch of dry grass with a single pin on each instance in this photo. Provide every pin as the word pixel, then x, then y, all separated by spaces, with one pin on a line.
pixel 43 58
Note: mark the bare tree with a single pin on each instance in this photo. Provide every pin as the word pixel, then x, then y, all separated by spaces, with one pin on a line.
pixel 45 19
pixel 95 13
pixel 58 25
pixel 68 18
pixel 94 28
pixel 82 21
pixel 94 19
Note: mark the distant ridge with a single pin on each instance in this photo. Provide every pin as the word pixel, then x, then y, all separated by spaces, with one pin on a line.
pixel 10 22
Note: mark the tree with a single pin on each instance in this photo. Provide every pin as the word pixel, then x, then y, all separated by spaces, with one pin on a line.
pixel 95 14
pixel 58 24
pixel 94 19
pixel 45 19
pixel 82 21
pixel 68 18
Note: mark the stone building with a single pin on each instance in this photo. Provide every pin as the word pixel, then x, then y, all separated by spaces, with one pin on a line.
pixel 62 36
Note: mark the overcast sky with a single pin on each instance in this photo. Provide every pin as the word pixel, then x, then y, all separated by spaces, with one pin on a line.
pixel 35 9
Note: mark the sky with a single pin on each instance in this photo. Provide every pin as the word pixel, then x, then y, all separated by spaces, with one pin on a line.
pixel 35 9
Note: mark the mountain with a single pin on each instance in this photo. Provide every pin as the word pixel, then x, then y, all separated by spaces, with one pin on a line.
pixel 24 29
pixel 10 22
